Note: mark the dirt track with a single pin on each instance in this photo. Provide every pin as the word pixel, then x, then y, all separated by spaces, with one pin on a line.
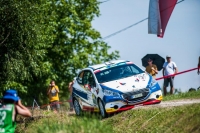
pixel 172 103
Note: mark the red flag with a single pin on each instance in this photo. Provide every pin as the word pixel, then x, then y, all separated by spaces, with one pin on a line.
pixel 166 9
pixel 159 14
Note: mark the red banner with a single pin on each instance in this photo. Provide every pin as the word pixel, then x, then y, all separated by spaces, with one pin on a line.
pixel 172 75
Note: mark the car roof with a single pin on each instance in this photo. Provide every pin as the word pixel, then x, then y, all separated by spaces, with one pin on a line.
pixel 113 62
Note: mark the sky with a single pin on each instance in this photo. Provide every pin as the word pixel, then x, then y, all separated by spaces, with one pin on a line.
pixel 181 39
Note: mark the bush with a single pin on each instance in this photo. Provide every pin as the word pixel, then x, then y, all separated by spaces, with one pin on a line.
pixel 192 89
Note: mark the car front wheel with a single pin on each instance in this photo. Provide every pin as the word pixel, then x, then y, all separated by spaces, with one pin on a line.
pixel 102 109
pixel 77 107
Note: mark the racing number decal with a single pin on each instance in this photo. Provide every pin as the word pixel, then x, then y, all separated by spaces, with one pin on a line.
pixel 2 117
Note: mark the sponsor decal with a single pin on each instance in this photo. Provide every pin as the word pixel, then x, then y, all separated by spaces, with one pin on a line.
pixel 87 87
pixel 122 83
pixel 97 91
pixel 137 80
pixel 153 88
pixel 142 77
pixel 139 105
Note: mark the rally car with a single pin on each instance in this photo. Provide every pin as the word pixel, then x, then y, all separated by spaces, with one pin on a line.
pixel 113 87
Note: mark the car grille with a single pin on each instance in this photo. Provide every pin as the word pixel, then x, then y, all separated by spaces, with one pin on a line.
pixel 136 96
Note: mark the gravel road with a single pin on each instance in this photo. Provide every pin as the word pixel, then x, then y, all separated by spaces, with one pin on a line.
pixel 172 103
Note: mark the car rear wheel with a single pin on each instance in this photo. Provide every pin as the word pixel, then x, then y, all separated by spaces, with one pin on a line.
pixel 102 109
pixel 77 107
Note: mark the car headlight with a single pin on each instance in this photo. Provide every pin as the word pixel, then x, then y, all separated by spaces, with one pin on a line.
pixel 110 93
pixel 153 82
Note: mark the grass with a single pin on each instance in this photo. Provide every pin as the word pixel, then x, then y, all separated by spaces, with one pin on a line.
pixel 186 95
pixel 172 119
pixel 64 123
pixel 182 119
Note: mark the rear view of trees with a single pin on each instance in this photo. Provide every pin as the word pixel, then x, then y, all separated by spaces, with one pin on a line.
pixel 46 39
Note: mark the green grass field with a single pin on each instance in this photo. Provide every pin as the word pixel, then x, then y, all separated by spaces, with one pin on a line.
pixel 187 95
pixel 182 119
pixel 178 119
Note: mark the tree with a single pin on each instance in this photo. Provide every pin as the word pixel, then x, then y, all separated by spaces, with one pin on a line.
pixel 23 44
pixel 191 89
pixel 76 44
pixel 47 39
pixel 198 88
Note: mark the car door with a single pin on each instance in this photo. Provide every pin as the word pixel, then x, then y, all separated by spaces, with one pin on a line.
pixel 85 86
pixel 89 85
pixel 78 88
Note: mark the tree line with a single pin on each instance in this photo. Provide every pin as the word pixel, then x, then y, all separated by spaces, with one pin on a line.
pixel 41 40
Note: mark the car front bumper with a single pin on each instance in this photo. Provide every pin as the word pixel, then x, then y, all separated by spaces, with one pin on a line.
pixel 122 105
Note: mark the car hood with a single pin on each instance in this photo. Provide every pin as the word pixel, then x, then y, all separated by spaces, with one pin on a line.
pixel 128 84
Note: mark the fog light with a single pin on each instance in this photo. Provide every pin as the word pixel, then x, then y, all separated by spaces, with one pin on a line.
pixel 115 107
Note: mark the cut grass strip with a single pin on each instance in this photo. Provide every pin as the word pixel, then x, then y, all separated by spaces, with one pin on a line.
pixel 192 94
pixel 182 119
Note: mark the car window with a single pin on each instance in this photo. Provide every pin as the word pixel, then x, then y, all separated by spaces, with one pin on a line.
pixel 80 77
pixel 135 70
pixel 88 78
pixel 118 72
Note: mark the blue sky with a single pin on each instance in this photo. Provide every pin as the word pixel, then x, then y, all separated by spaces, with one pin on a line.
pixel 181 39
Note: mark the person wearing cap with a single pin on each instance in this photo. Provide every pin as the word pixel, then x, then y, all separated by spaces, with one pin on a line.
pixel 10 107
pixel 169 68
pixel 151 68
pixel 52 92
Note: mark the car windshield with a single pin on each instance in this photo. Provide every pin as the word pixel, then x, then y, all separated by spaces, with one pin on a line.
pixel 118 72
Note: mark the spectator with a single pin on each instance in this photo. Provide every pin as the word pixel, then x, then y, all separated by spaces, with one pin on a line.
pixel 198 72
pixel 70 87
pixel 10 107
pixel 52 92
pixel 169 68
pixel 151 68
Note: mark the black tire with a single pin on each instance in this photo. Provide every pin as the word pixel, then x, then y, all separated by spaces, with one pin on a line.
pixel 77 107
pixel 102 109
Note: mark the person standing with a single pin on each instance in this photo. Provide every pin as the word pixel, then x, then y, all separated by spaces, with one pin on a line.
pixel 52 92
pixel 198 72
pixel 169 68
pixel 11 106
pixel 151 68
pixel 70 87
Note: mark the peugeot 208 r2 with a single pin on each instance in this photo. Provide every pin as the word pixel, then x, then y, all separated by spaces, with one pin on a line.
pixel 114 86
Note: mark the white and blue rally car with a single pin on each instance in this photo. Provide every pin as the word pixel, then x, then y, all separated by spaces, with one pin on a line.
pixel 113 87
